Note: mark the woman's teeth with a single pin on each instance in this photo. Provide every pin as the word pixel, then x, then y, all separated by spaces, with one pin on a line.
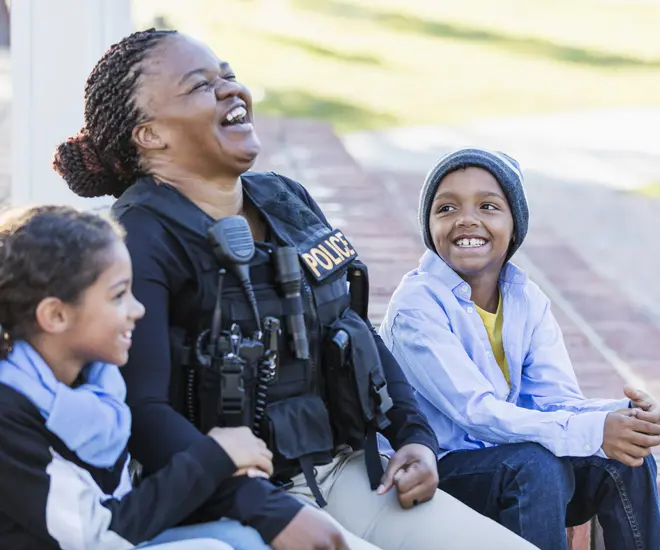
pixel 128 334
pixel 470 243
pixel 236 115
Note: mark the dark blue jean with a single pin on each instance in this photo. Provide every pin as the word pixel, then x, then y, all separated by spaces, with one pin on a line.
pixel 535 494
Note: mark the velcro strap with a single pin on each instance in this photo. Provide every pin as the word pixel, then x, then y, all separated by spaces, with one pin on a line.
pixel 308 471
pixel 375 469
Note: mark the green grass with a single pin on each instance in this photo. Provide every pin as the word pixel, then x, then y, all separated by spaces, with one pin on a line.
pixel 365 64
pixel 650 190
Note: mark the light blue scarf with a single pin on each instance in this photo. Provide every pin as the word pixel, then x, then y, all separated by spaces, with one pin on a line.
pixel 92 420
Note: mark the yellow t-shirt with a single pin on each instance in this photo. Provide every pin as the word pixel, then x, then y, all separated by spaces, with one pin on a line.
pixel 493 323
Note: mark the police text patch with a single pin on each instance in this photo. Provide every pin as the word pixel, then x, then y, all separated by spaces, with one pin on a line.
pixel 328 255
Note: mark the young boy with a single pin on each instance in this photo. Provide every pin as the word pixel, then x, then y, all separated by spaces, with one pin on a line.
pixel 478 341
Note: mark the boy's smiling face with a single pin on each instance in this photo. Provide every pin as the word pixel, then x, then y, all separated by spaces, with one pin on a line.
pixel 471 222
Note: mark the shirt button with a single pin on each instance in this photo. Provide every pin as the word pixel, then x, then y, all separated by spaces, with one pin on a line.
pixel 587 447
pixel 465 289
pixel 489 354
pixel 470 309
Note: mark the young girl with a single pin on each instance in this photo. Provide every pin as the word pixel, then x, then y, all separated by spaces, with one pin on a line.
pixel 66 316
pixel 477 340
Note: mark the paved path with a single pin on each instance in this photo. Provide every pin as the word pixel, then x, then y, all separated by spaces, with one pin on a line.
pixel 580 171
pixel 592 241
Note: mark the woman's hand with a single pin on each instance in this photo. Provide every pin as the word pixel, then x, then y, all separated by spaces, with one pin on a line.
pixel 247 451
pixel 413 470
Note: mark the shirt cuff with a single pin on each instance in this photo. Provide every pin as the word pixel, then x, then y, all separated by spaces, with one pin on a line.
pixel 621 404
pixel 585 434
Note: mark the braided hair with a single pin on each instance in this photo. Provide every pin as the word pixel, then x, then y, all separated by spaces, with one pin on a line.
pixel 102 158
pixel 47 251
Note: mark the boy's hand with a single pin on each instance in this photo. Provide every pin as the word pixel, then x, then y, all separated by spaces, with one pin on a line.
pixel 629 439
pixel 310 529
pixel 642 400
pixel 414 471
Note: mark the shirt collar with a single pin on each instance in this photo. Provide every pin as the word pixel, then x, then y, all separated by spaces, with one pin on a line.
pixel 436 267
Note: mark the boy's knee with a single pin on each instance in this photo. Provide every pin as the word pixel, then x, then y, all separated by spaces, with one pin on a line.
pixel 539 466
pixel 648 469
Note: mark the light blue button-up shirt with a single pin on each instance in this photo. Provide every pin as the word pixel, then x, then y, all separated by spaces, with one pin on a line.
pixel 434 331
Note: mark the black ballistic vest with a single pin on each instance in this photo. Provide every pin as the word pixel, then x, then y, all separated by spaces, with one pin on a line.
pixel 314 405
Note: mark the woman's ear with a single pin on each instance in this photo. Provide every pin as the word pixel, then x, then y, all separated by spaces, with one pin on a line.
pixel 145 136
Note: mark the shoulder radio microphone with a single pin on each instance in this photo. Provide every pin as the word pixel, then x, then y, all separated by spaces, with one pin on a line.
pixel 233 246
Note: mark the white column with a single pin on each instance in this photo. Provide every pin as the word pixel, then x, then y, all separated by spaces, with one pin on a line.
pixel 55 45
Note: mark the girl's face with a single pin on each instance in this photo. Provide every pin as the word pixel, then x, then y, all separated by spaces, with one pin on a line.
pixel 103 319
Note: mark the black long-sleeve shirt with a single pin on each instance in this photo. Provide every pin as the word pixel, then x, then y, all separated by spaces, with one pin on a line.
pixel 162 269
pixel 51 499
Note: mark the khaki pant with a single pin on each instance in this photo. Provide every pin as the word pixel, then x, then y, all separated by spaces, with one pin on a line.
pixel 371 521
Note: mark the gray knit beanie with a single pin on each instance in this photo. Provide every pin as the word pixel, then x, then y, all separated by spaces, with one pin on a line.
pixel 505 170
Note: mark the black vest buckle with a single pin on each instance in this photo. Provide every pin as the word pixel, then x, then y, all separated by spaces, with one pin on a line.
pixel 380 387
pixel 232 392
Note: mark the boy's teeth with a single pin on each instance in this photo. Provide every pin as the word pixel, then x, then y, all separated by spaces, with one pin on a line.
pixel 127 334
pixel 238 112
pixel 470 243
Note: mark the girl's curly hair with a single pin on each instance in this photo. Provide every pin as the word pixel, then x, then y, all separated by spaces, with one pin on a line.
pixel 47 251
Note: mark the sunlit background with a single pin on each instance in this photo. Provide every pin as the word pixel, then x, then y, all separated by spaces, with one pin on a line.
pixel 373 64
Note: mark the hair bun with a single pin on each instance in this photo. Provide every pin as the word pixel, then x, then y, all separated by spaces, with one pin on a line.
pixel 80 163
